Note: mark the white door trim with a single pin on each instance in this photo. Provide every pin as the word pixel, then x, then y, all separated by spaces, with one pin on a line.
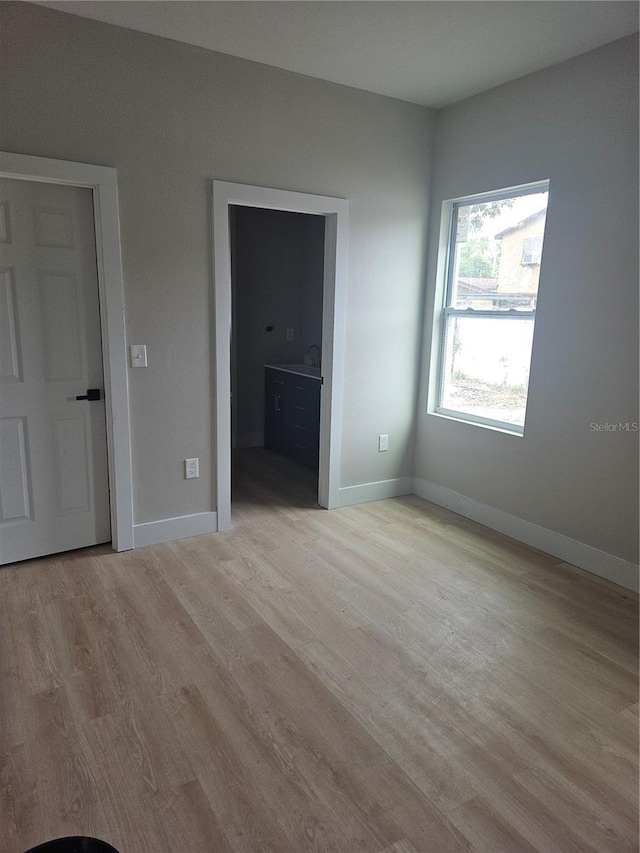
pixel 102 180
pixel 336 213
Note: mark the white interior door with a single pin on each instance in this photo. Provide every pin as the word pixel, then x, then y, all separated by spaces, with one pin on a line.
pixel 54 492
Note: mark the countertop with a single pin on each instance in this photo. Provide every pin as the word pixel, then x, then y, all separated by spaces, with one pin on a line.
pixel 299 369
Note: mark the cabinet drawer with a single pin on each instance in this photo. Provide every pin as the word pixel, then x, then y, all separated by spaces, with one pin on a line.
pixel 304 445
pixel 277 378
pixel 304 415
pixel 304 388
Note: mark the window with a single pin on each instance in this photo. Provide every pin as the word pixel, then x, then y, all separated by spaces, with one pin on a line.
pixel 488 316
pixel 531 250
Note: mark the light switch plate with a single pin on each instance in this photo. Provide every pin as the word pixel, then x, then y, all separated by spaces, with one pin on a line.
pixel 138 354
pixel 289 334
pixel 383 443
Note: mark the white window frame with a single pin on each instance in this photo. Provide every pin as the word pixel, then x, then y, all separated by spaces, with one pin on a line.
pixel 444 310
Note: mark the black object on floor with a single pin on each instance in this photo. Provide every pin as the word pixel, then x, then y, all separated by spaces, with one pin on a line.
pixel 74 844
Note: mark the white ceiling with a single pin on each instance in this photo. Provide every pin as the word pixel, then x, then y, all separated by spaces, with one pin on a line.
pixel 430 52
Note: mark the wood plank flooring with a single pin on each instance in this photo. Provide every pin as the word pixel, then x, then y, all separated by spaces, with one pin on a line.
pixel 385 678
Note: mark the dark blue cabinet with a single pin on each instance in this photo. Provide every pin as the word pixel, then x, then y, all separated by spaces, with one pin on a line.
pixel 292 415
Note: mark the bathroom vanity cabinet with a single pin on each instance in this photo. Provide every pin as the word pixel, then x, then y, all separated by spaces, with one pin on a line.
pixel 292 411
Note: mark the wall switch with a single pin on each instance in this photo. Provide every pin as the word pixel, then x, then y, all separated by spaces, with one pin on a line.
pixel 289 334
pixel 383 443
pixel 191 468
pixel 138 355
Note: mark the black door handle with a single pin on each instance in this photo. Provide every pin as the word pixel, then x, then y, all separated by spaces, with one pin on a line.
pixel 92 394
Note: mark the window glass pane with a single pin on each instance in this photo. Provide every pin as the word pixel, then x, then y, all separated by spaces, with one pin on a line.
pixel 486 367
pixel 497 253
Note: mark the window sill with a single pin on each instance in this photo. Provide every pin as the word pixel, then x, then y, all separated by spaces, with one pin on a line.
pixel 517 432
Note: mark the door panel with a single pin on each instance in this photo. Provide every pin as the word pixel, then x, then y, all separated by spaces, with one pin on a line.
pixel 71 463
pixel 15 474
pixel 9 343
pixel 60 326
pixel 54 492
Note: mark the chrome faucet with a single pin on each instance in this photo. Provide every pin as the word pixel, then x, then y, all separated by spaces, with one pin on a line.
pixel 314 358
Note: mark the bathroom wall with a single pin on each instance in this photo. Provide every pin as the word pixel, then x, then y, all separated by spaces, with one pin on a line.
pixel 311 289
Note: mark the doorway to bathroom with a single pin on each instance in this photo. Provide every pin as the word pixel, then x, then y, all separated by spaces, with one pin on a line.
pixel 280 281
pixel 277 279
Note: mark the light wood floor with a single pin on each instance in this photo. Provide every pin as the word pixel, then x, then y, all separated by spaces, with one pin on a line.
pixel 387 677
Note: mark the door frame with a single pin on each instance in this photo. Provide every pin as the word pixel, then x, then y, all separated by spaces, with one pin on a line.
pixel 336 216
pixel 102 181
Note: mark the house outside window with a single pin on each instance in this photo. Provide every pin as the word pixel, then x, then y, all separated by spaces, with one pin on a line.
pixel 487 319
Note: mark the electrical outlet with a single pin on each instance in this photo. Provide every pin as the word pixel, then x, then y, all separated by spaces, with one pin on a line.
pixel 289 334
pixel 383 443
pixel 191 468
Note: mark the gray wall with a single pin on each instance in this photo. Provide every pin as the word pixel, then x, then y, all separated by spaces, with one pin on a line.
pixel 277 269
pixel 170 117
pixel 577 124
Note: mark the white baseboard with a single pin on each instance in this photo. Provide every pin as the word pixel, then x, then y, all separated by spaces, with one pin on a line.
pixel 250 439
pixel 568 550
pixel 606 566
pixel 168 529
pixel 377 491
